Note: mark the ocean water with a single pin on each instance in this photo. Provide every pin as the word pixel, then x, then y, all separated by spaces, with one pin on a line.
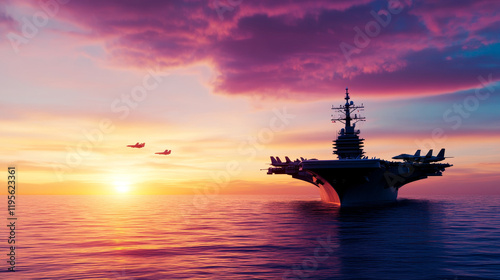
pixel 253 237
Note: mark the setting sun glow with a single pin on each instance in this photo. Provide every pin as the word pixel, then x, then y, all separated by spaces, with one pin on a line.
pixel 121 186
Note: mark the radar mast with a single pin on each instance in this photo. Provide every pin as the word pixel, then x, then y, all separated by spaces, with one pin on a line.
pixel 345 115
pixel 348 144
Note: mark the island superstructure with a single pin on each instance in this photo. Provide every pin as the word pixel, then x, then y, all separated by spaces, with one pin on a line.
pixel 354 179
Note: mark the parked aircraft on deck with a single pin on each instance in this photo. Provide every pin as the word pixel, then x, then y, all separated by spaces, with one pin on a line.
pixel 423 159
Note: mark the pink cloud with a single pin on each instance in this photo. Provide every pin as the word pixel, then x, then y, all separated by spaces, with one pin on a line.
pixel 292 48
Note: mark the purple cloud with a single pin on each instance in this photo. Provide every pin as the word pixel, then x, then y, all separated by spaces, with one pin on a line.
pixel 295 49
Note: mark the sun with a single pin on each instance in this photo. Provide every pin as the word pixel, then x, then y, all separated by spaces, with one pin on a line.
pixel 122 186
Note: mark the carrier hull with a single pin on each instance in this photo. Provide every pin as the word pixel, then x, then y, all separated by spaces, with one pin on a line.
pixel 359 182
pixel 351 182
pixel 359 195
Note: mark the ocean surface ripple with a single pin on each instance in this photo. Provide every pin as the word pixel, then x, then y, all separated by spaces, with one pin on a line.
pixel 254 237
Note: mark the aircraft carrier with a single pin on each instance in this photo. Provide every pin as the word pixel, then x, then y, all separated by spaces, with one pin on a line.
pixel 354 179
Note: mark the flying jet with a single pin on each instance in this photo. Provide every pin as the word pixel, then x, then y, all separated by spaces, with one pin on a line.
pixel 166 152
pixel 137 145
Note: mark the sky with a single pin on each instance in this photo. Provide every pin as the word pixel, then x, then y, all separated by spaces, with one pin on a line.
pixel 225 84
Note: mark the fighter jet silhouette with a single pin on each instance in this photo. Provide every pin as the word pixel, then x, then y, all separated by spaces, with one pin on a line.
pixel 277 161
pixel 166 152
pixel 430 158
pixel 137 145
pixel 423 159
pixel 407 157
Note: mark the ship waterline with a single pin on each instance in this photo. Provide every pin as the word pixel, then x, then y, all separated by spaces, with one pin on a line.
pixel 354 179
pixel 351 182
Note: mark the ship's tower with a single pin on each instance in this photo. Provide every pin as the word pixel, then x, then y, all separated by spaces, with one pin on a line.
pixel 348 144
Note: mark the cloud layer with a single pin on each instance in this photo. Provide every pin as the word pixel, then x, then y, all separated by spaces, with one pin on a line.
pixel 300 49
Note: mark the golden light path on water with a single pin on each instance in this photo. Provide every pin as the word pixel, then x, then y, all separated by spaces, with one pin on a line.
pixel 238 237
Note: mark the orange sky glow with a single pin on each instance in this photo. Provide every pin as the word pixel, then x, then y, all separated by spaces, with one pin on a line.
pixel 76 94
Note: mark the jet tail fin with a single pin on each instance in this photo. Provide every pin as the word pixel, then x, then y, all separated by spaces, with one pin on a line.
pixel 288 160
pixel 429 154
pixel 279 160
pixel 417 153
pixel 441 154
pixel 273 161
